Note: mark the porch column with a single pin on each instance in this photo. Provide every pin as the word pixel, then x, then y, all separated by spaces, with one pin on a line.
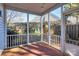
pixel 62 41
pixel 41 24
pixel 49 34
pixel 27 28
pixel 5 27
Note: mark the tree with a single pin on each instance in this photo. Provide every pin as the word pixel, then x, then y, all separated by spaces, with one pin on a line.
pixel 71 6
pixel 11 14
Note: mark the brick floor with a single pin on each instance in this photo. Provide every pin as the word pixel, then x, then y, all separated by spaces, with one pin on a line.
pixel 36 49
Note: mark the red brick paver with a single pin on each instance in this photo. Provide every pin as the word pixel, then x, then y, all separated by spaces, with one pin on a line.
pixel 38 49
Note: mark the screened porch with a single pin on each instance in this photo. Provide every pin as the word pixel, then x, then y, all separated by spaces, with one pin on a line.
pixel 38 30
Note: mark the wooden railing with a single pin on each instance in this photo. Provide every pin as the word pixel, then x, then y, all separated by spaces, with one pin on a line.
pixel 19 39
pixel 45 38
pixel 15 40
pixel 55 39
pixel 34 38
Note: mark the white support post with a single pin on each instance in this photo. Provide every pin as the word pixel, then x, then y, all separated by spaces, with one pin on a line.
pixel 41 24
pixel 27 28
pixel 63 27
pixel 49 35
pixel 5 28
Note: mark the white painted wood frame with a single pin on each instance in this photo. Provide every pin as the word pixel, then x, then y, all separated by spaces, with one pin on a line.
pixel 41 24
pixel 27 28
pixel 49 34
pixel 63 28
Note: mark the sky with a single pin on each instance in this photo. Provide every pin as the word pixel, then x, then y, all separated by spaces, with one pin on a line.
pixel 57 12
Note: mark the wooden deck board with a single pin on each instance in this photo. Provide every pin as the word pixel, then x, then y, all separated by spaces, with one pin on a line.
pixel 36 49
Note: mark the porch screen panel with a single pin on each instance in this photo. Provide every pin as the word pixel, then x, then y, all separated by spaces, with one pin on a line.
pixel 45 28
pixel 34 28
pixel 16 28
pixel 55 27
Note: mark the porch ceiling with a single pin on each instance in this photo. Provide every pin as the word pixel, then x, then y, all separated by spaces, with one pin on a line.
pixel 35 8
